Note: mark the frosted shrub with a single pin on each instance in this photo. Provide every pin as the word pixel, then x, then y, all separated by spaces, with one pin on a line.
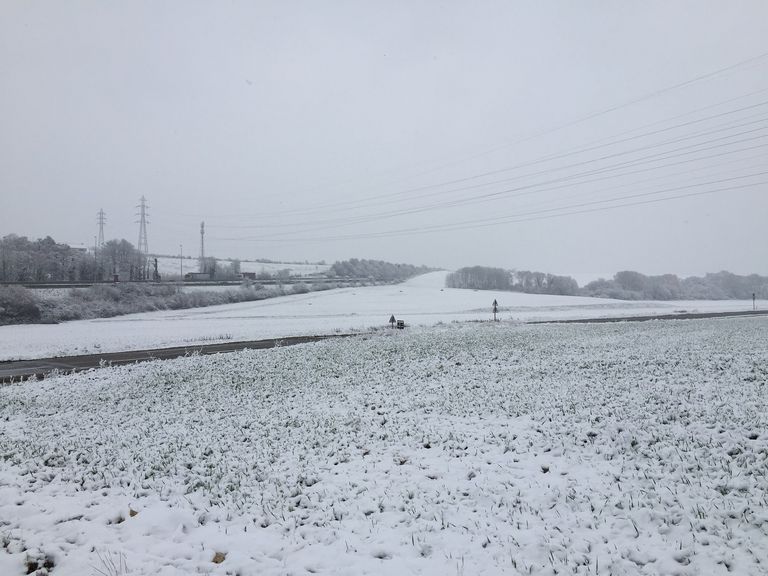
pixel 18 305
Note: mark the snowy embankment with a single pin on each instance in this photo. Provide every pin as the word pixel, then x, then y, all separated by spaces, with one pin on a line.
pixel 420 301
pixel 473 449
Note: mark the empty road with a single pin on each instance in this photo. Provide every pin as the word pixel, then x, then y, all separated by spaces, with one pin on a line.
pixel 16 370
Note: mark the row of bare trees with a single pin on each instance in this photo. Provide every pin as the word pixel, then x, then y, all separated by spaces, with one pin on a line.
pixel 375 269
pixel 45 260
pixel 487 278
pixel 630 285
pixel 625 285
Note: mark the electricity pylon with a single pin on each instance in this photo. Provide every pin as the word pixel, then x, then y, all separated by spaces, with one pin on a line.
pixel 143 214
pixel 101 219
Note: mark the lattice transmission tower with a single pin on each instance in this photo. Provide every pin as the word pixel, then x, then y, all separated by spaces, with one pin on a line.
pixel 101 218
pixel 143 214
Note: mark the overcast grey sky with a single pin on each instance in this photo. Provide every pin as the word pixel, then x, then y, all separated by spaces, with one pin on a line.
pixel 395 130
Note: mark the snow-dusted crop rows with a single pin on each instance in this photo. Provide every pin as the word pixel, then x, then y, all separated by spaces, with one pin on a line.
pixel 472 449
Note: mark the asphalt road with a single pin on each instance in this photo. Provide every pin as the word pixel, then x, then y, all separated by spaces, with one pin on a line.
pixel 14 371
pixel 17 370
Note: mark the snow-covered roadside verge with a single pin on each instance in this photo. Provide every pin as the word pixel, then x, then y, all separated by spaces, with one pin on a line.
pixel 473 449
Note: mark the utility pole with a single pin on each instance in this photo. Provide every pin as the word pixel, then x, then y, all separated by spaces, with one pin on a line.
pixel 101 218
pixel 202 247
pixel 181 266
pixel 95 248
pixel 143 214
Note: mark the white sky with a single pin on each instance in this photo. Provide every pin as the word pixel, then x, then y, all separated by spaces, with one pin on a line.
pixel 318 130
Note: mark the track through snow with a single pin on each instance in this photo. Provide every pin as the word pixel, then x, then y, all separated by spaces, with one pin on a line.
pixel 420 301
pixel 475 449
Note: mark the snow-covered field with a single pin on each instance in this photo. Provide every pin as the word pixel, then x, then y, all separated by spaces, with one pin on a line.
pixel 465 449
pixel 420 301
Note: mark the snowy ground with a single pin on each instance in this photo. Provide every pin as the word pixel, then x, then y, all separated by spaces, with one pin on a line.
pixel 469 449
pixel 420 301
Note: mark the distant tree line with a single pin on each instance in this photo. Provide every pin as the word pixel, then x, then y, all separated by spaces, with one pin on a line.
pixel 45 260
pixel 625 285
pixel 375 270
pixel 629 285
pixel 485 278
pixel 24 260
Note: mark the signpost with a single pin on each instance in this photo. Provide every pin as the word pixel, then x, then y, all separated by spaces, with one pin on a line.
pixel 392 320
pixel 181 266
pixel 495 310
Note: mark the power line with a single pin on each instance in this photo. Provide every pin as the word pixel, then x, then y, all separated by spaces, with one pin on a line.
pixel 605 172
pixel 552 212
pixel 691 152
pixel 565 184
pixel 582 119
pixel 363 203
pixel 392 198
pixel 604 111
pixel 510 192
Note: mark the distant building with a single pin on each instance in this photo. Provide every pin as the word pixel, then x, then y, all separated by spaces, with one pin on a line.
pixel 197 276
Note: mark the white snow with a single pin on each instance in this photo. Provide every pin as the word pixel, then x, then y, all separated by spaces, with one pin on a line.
pixel 420 301
pixel 464 449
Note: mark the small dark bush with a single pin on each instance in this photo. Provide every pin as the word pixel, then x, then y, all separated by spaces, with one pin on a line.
pixel 18 305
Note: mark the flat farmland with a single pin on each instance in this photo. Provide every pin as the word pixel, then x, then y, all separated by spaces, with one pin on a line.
pixel 633 448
